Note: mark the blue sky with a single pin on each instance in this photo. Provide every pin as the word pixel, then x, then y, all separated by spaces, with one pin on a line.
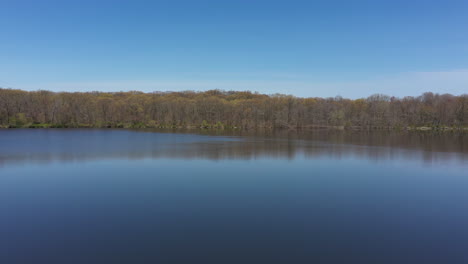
pixel 305 48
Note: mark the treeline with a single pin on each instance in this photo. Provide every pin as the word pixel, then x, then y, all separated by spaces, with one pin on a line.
pixel 227 109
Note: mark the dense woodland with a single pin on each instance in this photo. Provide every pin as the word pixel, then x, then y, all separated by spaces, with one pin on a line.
pixel 227 110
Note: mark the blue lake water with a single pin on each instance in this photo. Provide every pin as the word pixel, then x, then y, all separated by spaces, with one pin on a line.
pixel 123 196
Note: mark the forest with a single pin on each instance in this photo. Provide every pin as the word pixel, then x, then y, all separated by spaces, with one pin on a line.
pixel 217 109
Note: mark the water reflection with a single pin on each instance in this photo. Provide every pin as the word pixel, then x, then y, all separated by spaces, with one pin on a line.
pixel 281 197
pixel 45 146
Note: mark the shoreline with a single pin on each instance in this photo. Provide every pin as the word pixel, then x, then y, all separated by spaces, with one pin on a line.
pixel 225 128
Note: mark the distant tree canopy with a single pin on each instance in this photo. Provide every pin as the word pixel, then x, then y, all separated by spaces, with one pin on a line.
pixel 226 109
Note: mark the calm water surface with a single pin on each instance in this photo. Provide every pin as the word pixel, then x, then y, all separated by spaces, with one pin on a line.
pixel 121 196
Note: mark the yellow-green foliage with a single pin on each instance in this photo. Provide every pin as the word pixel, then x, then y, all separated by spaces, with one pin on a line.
pixel 226 109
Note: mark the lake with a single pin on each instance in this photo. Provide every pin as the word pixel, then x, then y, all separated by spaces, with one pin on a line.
pixel 143 196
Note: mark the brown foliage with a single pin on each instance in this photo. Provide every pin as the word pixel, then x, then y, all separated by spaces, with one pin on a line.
pixel 217 108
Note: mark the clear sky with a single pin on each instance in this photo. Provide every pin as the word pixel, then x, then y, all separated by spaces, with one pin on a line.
pixel 305 48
